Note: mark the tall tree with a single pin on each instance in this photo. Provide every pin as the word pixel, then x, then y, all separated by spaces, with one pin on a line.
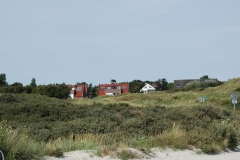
pixel 94 91
pixel 33 83
pixel 90 88
pixel 3 80
pixel 162 84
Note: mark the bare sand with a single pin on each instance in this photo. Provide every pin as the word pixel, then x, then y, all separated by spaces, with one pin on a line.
pixel 156 154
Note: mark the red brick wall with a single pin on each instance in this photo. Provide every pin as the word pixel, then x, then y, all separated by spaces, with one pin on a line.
pixel 80 93
pixel 124 88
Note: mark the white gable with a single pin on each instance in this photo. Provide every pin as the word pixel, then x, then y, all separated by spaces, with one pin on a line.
pixel 147 88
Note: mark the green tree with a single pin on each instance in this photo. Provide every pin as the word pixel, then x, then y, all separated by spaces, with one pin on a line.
pixel 90 88
pixel 83 83
pixel 135 86
pixel 203 78
pixel 60 91
pixel 162 84
pixel 3 80
pixel 16 84
pixel 113 81
pixel 28 89
pixel 33 83
pixel 94 91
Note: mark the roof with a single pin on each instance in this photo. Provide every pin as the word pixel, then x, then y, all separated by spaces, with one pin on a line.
pixel 114 84
pixel 154 85
pixel 147 87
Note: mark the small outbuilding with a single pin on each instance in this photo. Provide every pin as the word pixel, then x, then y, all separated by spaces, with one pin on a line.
pixel 147 88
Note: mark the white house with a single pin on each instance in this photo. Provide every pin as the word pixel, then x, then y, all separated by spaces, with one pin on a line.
pixel 147 88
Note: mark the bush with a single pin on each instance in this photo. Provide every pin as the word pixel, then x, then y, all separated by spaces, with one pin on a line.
pixel 49 118
pixel 201 85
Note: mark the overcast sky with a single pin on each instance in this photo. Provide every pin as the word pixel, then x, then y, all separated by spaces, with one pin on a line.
pixel 94 41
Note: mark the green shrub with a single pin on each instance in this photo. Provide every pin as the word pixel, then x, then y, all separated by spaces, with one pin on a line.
pixel 201 85
pixel 211 149
pixel 47 119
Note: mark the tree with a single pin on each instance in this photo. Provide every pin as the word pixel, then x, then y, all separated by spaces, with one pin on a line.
pixel 16 84
pixel 3 80
pixel 90 88
pixel 83 83
pixel 94 91
pixel 60 91
pixel 203 78
pixel 162 84
pixel 113 81
pixel 135 86
pixel 33 83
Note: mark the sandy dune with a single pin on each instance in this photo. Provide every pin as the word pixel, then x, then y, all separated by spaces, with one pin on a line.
pixel 156 155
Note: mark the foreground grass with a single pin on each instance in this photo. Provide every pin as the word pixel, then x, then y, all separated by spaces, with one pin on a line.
pixel 17 145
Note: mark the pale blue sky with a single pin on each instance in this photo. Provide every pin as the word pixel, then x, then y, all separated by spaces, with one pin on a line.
pixel 58 41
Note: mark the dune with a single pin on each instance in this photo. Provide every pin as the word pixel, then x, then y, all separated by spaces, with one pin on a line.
pixel 156 154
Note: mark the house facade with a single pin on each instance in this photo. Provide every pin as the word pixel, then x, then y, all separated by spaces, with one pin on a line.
pixel 113 89
pixel 147 88
pixel 78 91
pixel 180 84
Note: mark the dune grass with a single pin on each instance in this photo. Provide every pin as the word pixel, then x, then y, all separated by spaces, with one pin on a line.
pixel 17 145
pixel 174 119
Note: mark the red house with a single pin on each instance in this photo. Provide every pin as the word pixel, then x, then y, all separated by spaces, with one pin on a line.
pixel 113 89
pixel 78 91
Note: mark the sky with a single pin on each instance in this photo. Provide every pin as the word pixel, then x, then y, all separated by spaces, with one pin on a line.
pixel 94 41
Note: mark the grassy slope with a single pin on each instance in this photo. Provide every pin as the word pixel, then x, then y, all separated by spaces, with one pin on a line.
pixel 207 128
pixel 217 96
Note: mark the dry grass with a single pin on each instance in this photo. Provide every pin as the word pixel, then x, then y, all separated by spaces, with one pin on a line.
pixel 18 145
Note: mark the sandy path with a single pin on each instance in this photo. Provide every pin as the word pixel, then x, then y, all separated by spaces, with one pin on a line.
pixel 157 155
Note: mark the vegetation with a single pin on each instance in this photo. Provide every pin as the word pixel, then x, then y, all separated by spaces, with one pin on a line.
pixel 33 83
pixel 162 84
pixel 3 80
pixel 202 84
pixel 105 124
pixel 137 85
pixel 60 91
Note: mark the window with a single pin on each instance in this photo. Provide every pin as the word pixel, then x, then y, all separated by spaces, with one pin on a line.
pixel 178 85
pixel 79 88
pixel 124 87
pixel 102 88
pixel 118 87
pixel 109 88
